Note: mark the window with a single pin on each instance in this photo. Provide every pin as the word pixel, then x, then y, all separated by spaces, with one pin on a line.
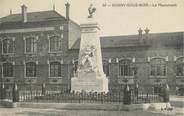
pixel 125 67
pixel 180 67
pixel 75 66
pixel 1 46
pixel 31 69
pixel 158 67
pixel 1 69
pixel 106 67
pixel 55 69
pixel 31 44
pixel 8 70
pixel 61 27
pixel 55 44
pixel 8 45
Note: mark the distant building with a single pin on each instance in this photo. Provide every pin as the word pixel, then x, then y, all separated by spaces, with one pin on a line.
pixel 42 47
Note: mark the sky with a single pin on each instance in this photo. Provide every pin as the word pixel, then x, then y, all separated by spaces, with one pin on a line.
pixel 113 20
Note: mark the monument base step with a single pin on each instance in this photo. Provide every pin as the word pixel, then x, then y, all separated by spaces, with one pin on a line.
pixel 89 84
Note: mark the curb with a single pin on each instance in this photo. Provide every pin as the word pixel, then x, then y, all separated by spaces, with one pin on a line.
pixel 93 106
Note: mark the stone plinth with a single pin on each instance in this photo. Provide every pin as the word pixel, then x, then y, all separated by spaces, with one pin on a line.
pixel 89 83
pixel 90 75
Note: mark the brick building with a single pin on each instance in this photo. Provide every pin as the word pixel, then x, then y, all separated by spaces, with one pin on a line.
pixel 42 47
pixel 34 46
pixel 145 58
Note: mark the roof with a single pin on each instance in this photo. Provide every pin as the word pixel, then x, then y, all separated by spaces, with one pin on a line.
pixel 40 18
pixel 33 17
pixel 154 40
pixel 118 41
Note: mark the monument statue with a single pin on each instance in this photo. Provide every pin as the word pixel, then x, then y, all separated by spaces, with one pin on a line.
pixel 90 76
pixel 91 11
pixel 87 59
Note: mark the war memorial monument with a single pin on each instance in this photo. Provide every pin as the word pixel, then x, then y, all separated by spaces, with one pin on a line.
pixel 90 75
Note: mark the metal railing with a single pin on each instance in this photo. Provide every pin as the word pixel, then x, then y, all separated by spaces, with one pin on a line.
pixel 41 94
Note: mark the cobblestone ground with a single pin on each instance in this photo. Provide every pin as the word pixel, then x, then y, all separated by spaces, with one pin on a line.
pixel 58 112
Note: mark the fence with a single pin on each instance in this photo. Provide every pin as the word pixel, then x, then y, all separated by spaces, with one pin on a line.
pixel 41 94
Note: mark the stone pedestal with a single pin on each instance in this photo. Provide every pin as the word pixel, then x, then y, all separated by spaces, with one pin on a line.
pixel 90 75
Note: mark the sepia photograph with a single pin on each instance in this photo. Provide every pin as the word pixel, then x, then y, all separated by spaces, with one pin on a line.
pixel 91 58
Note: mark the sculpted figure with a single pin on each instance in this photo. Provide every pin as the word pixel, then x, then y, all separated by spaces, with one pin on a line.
pixel 87 62
pixel 91 11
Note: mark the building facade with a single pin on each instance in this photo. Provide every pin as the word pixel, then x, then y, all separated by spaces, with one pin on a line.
pixel 43 47
pixel 149 59
pixel 34 46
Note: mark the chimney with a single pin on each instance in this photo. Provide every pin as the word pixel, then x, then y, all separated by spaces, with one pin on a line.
pixel 54 8
pixel 67 11
pixel 140 35
pixel 146 32
pixel 140 32
pixel 24 13
pixel 10 11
